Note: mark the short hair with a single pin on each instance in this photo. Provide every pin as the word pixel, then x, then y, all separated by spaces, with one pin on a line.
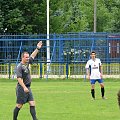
pixel 93 52
pixel 22 55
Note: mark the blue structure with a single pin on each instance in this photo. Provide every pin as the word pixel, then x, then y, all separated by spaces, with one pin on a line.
pixel 64 48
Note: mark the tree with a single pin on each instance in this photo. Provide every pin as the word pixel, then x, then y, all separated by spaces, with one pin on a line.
pixel 23 16
pixel 29 16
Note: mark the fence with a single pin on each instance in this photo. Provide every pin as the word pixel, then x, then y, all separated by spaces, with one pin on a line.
pixel 68 53
pixel 60 71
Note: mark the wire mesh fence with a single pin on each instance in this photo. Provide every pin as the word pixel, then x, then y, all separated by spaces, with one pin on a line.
pixel 68 53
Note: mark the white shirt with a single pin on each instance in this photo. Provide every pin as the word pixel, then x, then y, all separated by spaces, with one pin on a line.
pixel 94 67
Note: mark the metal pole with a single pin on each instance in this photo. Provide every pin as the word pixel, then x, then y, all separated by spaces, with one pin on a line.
pixel 48 41
pixel 95 9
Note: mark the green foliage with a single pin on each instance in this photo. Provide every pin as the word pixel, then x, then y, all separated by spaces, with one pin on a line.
pixel 29 16
pixel 22 16
pixel 76 16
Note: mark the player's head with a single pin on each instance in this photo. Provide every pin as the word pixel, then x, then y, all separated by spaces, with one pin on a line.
pixel 93 54
pixel 25 57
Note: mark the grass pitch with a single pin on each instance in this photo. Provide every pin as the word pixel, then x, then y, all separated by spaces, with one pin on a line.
pixel 62 100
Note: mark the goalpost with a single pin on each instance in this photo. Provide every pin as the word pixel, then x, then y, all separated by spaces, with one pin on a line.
pixel 48 41
pixel 14 72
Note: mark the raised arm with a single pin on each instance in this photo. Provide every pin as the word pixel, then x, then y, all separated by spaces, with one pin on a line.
pixel 34 53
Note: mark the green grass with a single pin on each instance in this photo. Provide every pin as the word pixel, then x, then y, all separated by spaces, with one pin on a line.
pixel 62 100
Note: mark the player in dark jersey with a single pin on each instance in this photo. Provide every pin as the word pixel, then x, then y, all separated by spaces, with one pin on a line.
pixel 23 90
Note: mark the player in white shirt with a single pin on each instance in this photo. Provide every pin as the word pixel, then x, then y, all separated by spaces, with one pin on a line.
pixel 94 73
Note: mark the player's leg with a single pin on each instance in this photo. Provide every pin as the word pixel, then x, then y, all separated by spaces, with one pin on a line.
pixel 19 101
pixel 102 88
pixel 32 109
pixel 32 105
pixel 16 111
pixel 93 88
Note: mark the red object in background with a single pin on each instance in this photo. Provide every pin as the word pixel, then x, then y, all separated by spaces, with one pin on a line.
pixel 114 47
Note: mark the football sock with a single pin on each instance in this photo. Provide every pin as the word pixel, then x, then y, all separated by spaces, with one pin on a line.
pixel 33 112
pixel 93 93
pixel 102 91
pixel 15 113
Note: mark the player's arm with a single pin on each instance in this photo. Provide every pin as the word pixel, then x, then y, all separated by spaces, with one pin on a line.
pixel 34 53
pixel 20 81
pixel 88 73
pixel 87 70
pixel 19 78
pixel 100 69
pixel 101 74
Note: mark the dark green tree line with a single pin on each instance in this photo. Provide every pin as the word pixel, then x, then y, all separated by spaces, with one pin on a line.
pixel 29 16
pixel 23 16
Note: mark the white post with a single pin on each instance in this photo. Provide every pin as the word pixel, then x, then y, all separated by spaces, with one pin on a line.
pixel 95 7
pixel 48 41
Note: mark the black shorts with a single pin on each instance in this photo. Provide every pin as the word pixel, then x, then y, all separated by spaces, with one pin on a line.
pixel 23 97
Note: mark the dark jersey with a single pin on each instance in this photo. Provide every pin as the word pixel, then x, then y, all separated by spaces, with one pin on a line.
pixel 23 72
